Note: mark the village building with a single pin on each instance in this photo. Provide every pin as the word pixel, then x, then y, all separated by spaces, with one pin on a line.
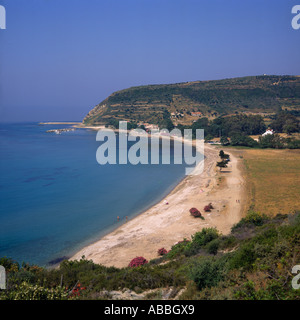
pixel 268 131
pixel 196 114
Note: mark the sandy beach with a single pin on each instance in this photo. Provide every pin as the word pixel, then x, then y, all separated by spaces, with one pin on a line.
pixel 165 224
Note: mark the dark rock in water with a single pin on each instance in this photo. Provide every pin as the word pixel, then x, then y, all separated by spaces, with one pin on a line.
pixel 58 260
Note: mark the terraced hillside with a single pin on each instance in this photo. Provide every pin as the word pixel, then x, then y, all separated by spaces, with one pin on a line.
pixel 185 102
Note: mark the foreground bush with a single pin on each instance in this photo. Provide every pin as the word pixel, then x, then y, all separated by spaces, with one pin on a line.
pixel 178 249
pixel 208 272
pixel 26 291
pixel 138 261
pixel 255 266
pixel 200 240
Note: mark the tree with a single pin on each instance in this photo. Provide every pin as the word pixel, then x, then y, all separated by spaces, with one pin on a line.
pixel 208 137
pixel 224 141
pixel 222 164
pixel 293 143
pixel 224 156
pixel 195 212
pixel 290 126
pixel 285 122
pixel 271 141
pixel 166 122
pixel 131 125
pixel 243 140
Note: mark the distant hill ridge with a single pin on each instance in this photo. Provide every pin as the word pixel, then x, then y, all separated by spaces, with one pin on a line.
pixel 188 101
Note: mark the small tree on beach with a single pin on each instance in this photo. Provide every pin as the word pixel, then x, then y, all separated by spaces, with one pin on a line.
pixel 207 208
pixel 222 164
pixel 223 155
pixel 196 213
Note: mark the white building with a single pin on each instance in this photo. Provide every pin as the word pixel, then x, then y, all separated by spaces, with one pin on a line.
pixel 269 131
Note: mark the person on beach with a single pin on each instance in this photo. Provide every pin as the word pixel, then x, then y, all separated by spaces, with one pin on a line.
pixel 118 218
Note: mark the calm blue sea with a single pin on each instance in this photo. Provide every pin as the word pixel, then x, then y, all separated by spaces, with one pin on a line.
pixel 55 198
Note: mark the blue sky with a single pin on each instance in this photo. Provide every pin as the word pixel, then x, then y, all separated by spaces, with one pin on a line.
pixel 59 58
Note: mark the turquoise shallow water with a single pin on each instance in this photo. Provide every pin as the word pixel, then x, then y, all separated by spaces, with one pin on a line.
pixel 55 198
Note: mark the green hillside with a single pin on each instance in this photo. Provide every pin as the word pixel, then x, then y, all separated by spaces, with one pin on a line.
pixel 255 94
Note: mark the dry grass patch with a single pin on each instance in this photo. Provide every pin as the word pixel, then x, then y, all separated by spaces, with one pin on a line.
pixel 274 179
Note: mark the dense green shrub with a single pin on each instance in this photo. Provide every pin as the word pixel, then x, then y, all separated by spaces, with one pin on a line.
pixel 9 264
pixel 200 239
pixel 244 257
pixel 252 218
pixel 213 246
pixel 228 242
pixel 177 249
pixel 208 272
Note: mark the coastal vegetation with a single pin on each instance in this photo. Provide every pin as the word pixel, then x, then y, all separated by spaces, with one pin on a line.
pixel 238 130
pixel 253 262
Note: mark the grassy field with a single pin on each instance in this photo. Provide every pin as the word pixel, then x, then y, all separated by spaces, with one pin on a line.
pixel 273 178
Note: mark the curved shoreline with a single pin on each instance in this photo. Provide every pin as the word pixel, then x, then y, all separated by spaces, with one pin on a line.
pixel 163 225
